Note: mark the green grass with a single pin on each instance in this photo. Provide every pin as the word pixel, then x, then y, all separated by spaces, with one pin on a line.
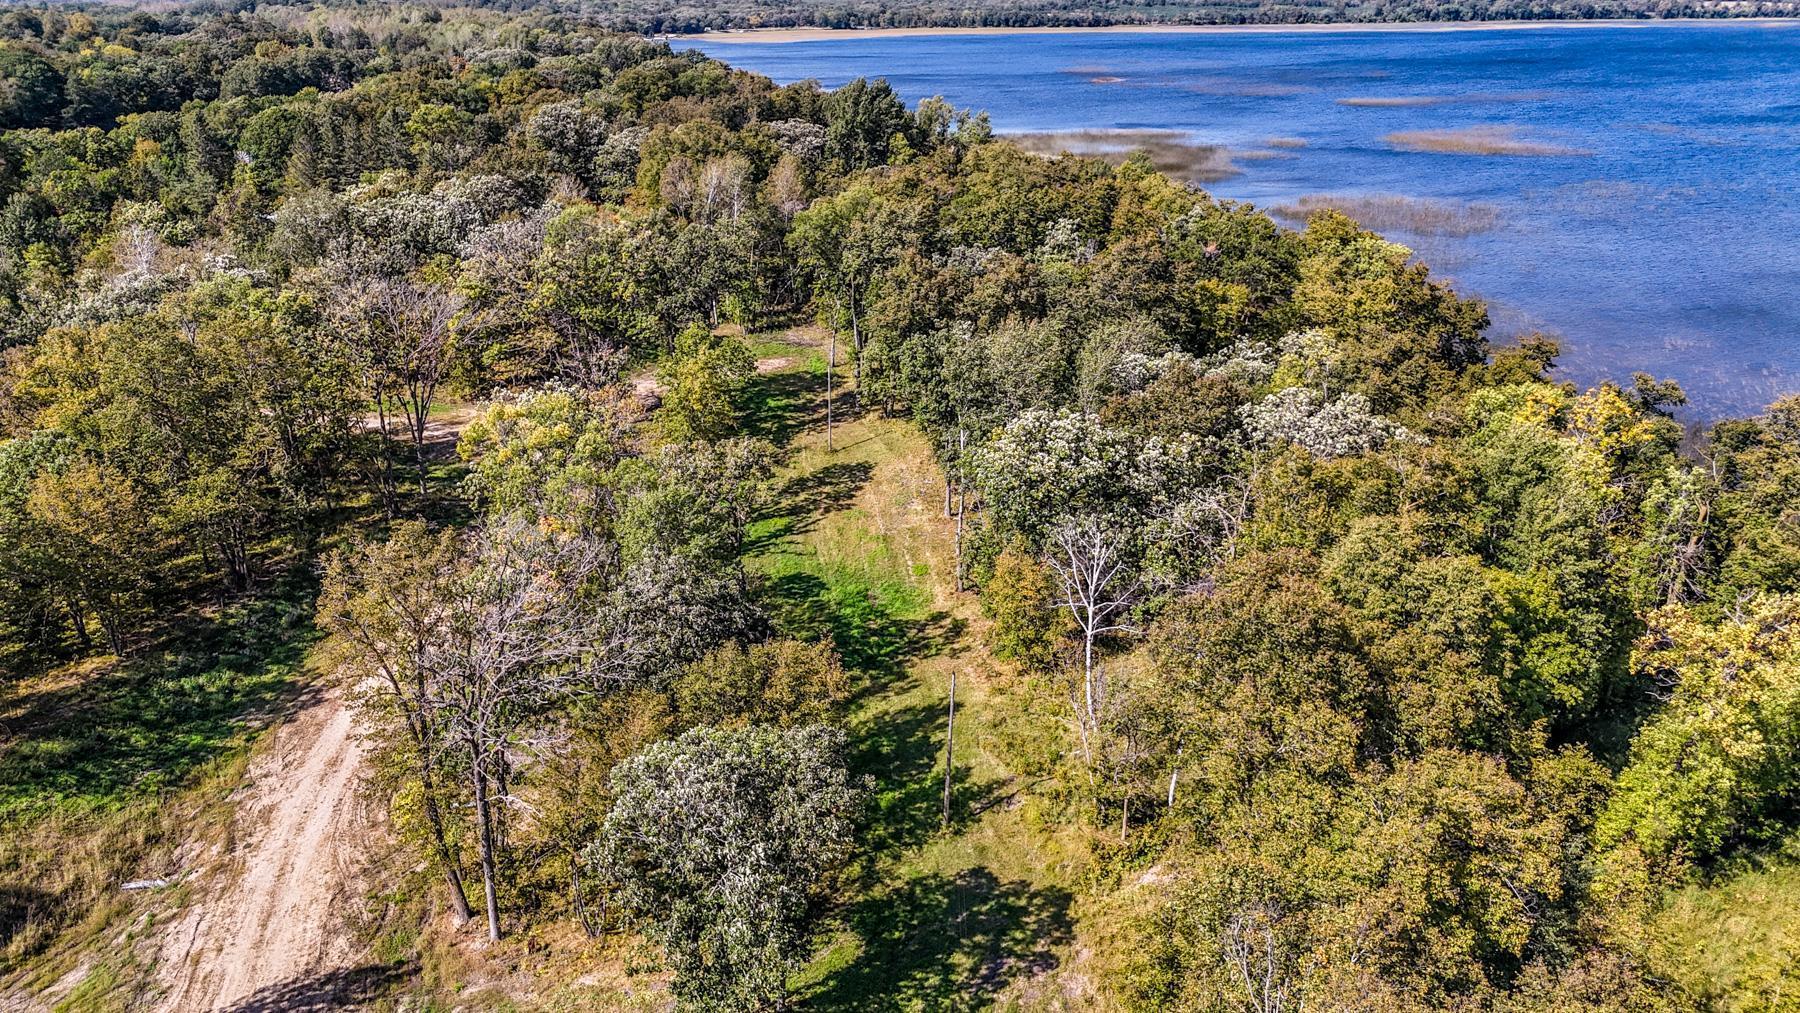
pixel 965 917
pixel 144 725
pixel 1734 943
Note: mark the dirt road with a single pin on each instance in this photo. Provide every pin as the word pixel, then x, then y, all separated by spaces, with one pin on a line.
pixel 267 929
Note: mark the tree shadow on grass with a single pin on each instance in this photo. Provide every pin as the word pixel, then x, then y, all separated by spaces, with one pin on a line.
pixel 345 988
pixel 780 405
pixel 872 631
pixel 902 752
pixel 804 499
pixel 947 942
pixel 150 721
pixel 21 907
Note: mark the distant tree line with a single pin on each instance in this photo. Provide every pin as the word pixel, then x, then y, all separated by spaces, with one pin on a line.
pixel 682 18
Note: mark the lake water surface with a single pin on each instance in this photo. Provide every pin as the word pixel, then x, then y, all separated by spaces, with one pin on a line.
pixel 1649 215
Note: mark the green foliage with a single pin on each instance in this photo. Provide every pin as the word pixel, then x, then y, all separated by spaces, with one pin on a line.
pixel 780 682
pixel 704 385
pixel 1020 597
pixel 1391 583
pixel 1715 767
pixel 547 453
pixel 862 120
pixel 720 843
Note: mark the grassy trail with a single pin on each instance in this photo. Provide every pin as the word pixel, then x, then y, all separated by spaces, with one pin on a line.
pixel 973 915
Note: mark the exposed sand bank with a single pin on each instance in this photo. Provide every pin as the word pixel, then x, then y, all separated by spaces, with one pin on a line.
pixel 822 34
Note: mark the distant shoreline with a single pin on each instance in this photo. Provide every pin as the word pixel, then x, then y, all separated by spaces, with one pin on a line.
pixel 780 35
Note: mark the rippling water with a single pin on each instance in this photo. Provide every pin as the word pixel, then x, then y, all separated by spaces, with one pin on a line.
pixel 1651 218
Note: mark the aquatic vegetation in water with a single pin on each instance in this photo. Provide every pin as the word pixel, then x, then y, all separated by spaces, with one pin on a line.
pixel 1419 216
pixel 1285 142
pixel 1489 140
pixel 1237 87
pixel 1169 150
pixel 1410 101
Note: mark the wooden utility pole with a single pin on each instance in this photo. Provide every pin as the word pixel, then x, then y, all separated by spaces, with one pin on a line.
pixel 949 748
pixel 962 436
pixel 830 373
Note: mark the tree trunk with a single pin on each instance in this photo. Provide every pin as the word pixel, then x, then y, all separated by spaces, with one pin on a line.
pixel 418 412
pixel 109 625
pixel 236 558
pixel 961 503
pixel 1174 772
pixel 856 342
pixel 1087 672
pixel 389 501
pixel 440 839
pixel 589 925
pixel 502 779
pixel 959 537
pixel 485 832
pixel 79 622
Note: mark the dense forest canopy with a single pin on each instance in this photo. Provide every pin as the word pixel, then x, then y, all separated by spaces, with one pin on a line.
pixel 1359 663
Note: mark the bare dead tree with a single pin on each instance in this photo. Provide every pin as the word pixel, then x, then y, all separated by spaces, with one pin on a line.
pixel 387 608
pixel 417 323
pixel 517 637
pixel 1254 953
pixel 402 332
pixel 1098 588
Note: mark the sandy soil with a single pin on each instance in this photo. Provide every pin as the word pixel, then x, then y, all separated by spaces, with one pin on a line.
pixel 648 387
pixel 820 34
pixel 271 921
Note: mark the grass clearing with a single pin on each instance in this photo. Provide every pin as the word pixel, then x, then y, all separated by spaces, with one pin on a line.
pixel 115 770
pixel 973 915
pixel 122 769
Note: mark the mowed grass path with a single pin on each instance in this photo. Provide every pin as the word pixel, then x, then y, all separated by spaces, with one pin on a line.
pixel 857 548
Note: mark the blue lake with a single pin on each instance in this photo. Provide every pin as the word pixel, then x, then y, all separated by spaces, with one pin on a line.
pixel 1655 226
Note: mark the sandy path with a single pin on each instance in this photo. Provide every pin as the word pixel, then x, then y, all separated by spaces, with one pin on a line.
pixel 647 385
pixel 273 918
